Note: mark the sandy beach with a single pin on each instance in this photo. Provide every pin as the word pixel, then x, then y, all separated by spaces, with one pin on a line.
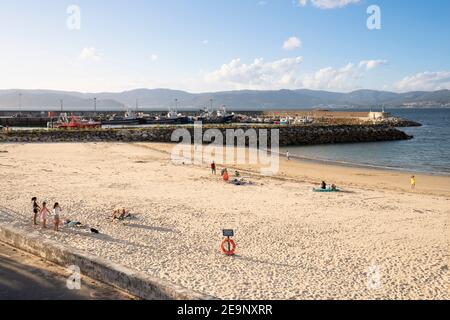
pixel 376 240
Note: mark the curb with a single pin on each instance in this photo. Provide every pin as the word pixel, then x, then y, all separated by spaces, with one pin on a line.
pixel 123 278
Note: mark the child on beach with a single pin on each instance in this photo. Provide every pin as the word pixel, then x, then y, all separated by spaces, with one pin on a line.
pixel 213 167
pixel 225 175
pixel 56 213
pixel 44 214
pixel 288 155
pixel 413 182
pixel 36 209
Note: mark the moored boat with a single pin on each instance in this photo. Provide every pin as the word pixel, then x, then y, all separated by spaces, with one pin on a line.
pixel 130 118
pixel 74 122
pixel 219 116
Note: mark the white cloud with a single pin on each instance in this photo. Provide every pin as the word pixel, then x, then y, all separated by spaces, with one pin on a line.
pixel 154 57
pixel 372 64
pixel 292 43
pixel 332 79
pixel 90 54
pixel 328 4
pixel 257 75
pixel 205 42
pixel 428 81
pixel 345 78
pixel 286 74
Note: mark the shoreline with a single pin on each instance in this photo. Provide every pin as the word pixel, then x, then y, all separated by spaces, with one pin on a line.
pixel 306 170
pixel 364 166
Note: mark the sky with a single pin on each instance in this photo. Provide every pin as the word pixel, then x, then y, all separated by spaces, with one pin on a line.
pixel 218 45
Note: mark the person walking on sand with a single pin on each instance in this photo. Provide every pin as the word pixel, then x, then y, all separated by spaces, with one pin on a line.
pixel 288 155
pixel 56 216
pixel 36 210
pixel 44 214
pixel 413 182
pixel 213 168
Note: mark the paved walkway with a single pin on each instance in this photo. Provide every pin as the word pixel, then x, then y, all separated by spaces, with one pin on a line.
pixel 27 277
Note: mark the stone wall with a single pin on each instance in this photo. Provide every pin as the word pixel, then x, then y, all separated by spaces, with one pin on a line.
pixel 133 282
pixel 289 135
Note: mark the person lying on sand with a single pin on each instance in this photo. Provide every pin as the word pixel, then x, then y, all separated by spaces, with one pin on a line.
pixel 72 224
pixel 77 224
pixel 240 182
pixel 121 214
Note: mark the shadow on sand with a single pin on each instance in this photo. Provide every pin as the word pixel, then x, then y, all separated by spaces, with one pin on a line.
pixel 150 228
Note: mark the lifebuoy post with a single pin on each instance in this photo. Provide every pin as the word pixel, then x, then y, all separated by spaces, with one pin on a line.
pixel 231 245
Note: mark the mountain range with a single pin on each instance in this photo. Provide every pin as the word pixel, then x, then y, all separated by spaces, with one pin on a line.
pixel 162 99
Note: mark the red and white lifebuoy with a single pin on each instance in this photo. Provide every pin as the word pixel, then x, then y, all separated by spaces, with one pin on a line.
pixel 228 243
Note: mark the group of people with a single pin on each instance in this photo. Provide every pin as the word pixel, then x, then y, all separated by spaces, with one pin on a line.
pixel 237 179
pixel 43 212
pixel 224 173
pixel 120 214
pixel 323 186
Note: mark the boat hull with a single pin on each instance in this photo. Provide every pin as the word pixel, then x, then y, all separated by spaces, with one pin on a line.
pixel 123 122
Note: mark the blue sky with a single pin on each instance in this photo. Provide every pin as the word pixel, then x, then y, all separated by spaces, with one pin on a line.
pixel 212 45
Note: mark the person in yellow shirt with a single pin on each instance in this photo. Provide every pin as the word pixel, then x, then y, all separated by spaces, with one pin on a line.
pixel 413 182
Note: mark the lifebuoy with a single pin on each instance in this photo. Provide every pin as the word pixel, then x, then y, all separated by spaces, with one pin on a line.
pixel 224 247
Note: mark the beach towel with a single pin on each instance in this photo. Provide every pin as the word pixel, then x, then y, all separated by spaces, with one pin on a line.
pixel 326 190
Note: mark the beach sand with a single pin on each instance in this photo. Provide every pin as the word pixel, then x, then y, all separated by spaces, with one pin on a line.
pixel 376 240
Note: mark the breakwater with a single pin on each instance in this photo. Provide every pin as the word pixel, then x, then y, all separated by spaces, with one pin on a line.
pixel 288 135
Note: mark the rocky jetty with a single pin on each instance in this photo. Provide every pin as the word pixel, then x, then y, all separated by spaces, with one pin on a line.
pixel 403 123
pixel 289 135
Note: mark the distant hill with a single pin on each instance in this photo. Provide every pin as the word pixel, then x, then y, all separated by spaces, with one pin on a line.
pixel 161 99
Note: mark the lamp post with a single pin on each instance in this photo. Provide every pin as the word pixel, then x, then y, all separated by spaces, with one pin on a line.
pixel 20 103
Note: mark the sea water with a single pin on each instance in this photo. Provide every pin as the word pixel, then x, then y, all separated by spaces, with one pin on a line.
pixel 428 152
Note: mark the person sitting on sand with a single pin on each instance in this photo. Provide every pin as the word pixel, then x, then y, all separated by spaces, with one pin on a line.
pixel 237 174
pixel 333 187
pixel 226 176
pixel 323 185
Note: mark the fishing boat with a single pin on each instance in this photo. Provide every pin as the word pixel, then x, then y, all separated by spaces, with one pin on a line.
pixel 74 122
pixel 130 118
pixel 218 116
pixel 172 117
